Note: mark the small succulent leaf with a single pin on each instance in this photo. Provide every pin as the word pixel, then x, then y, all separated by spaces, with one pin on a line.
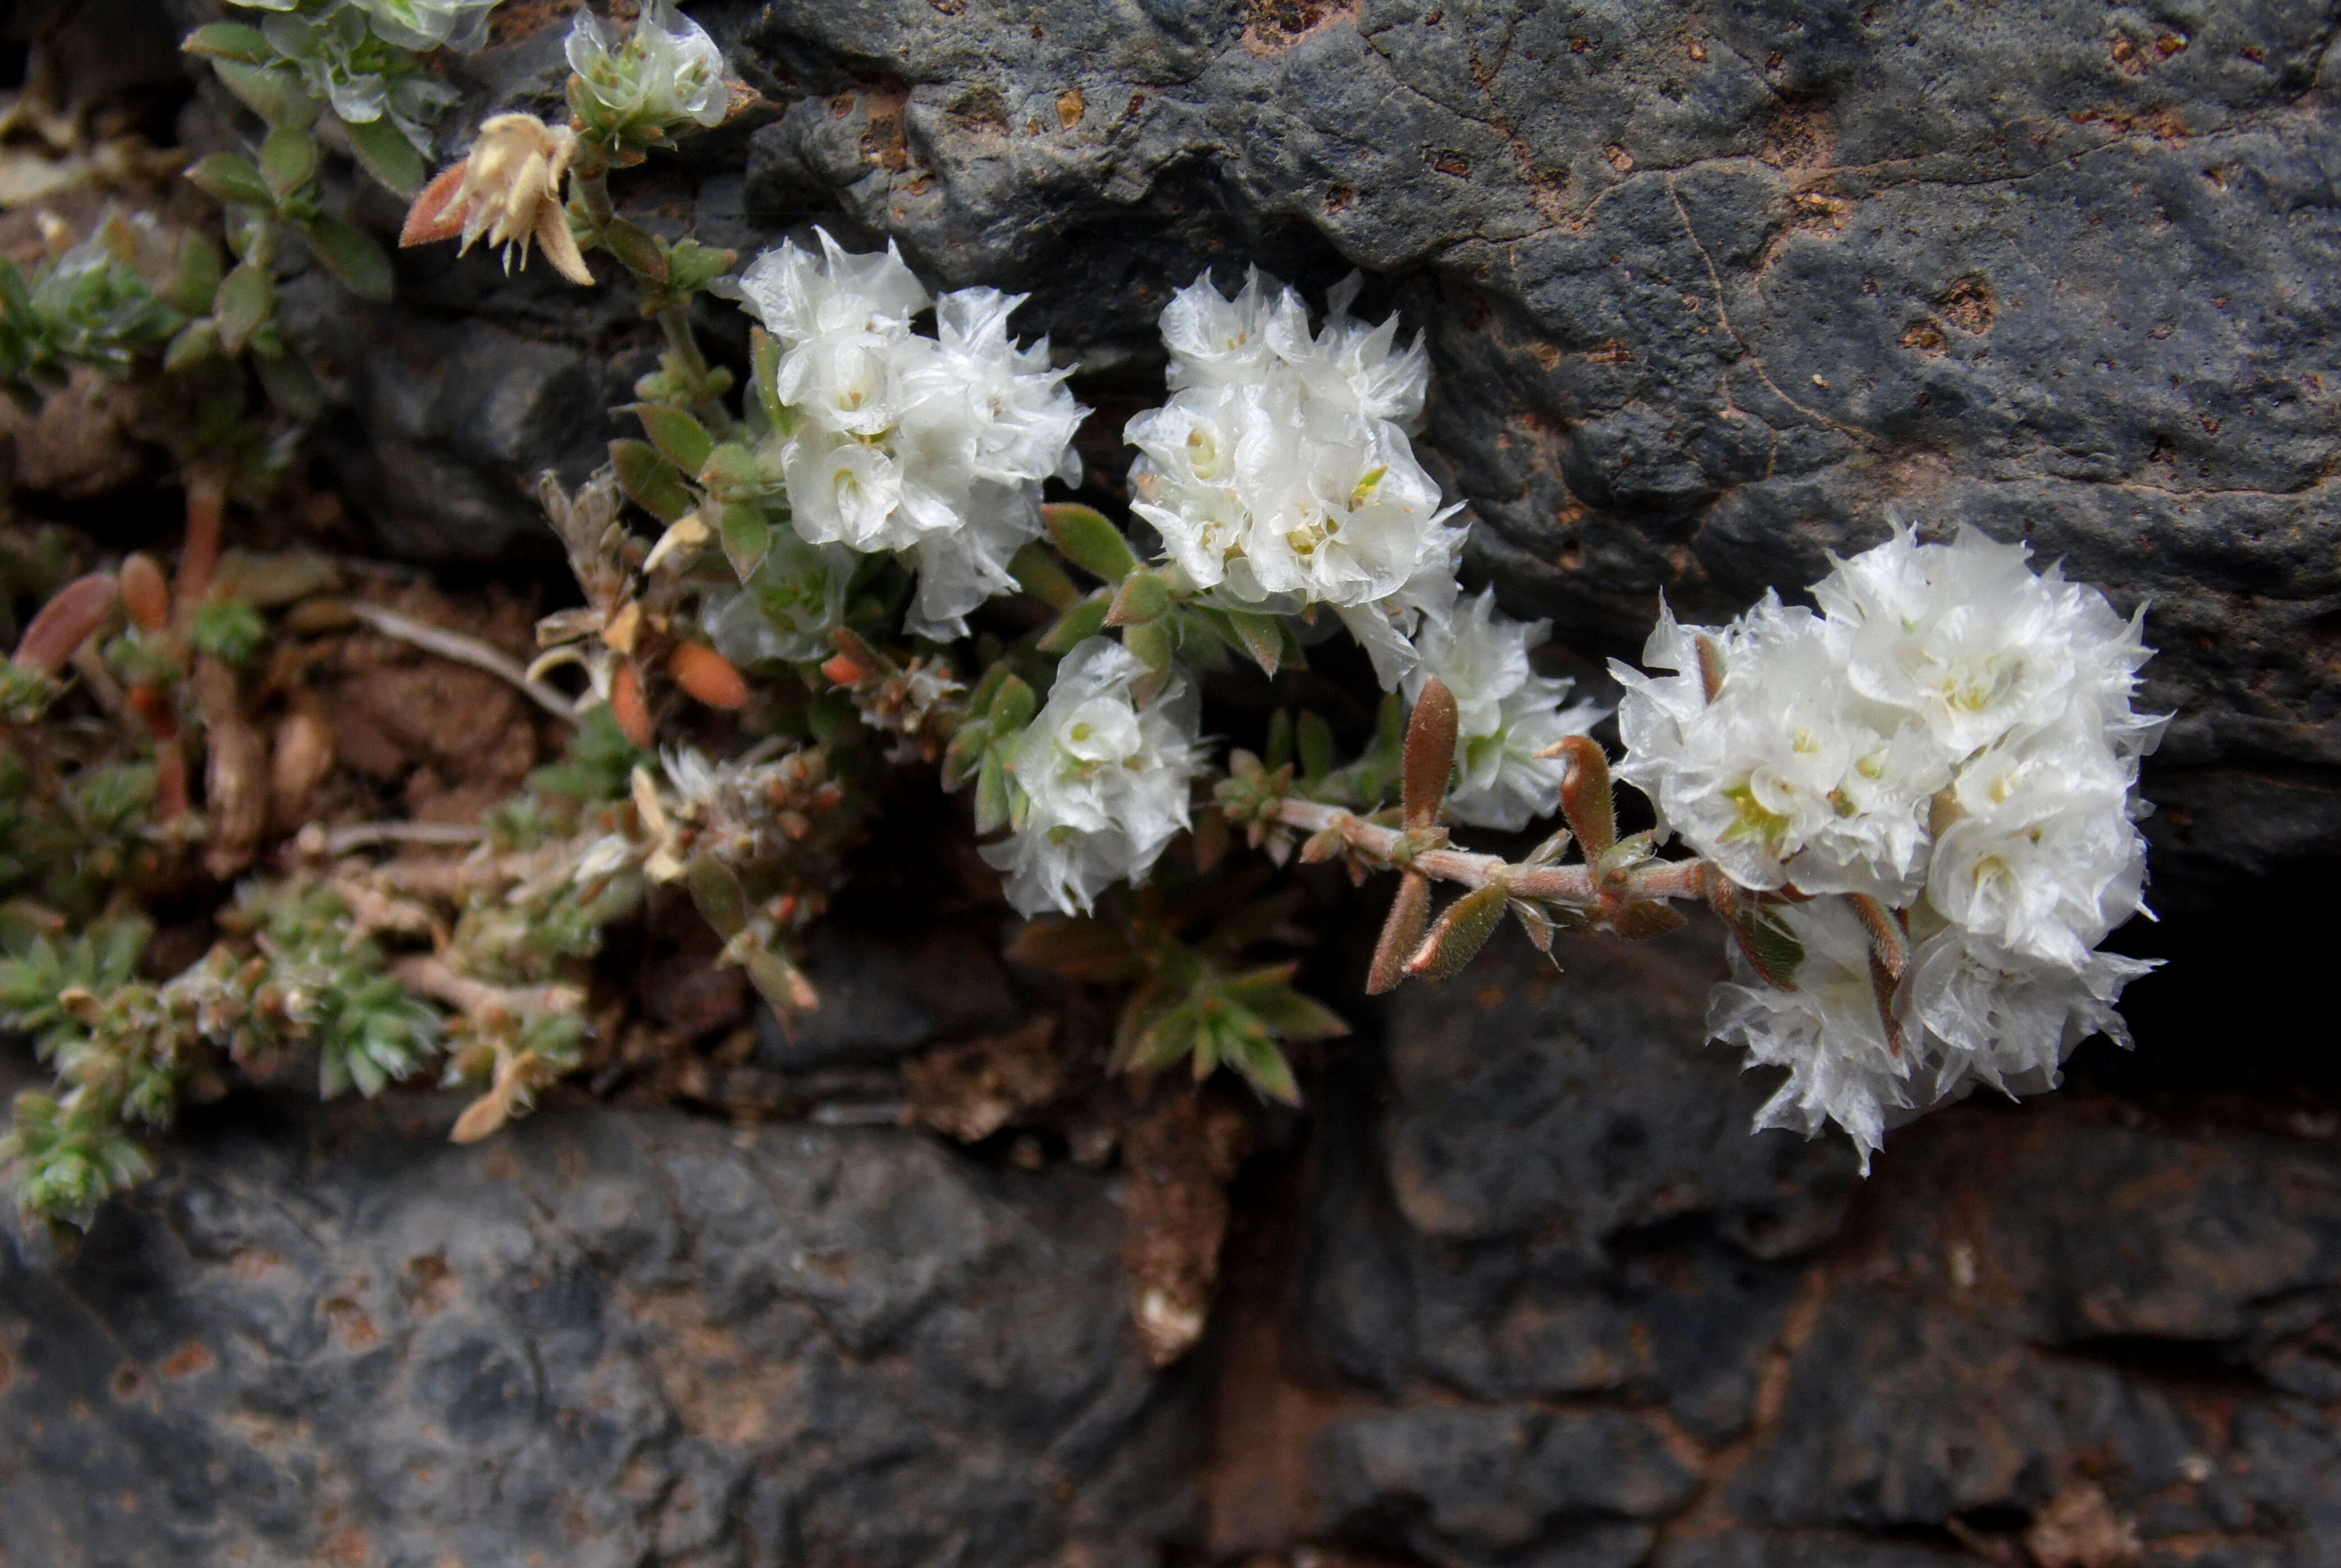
pixel 1585 794
pixel 1279 750
pixel 196 278
pixel 1315 740
pixel 387 154
pixel 680 438
pixel 66 622
pixel 1429 753
pixel 964 754
pixel 635 249
pixel 224 177
pixel 1088 540
pixel 247 298
pixel 1460 933
pixel 747 538
pixel 1263 1065
pixel 1154 646
pixel 715 889
pixel 1079 623
pixel 274 94
pixel 288 162
pixel 1645 918
pixel 230 41
pixel 650 481
pixel 1262 637
pixel 1710 665
pixel 994 803
pixel 351 254
pixel 1036 571
pixel 1012 706
pixel 1535 923
pixel 1771 948
pixel 1143 597
pixel 1409 912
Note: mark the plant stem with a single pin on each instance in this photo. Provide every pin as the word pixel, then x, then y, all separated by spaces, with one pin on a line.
pixel 1578 885
pixel 683 346
pixel 464 649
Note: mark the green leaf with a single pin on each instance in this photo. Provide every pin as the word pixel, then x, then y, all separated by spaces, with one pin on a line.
pixel 1012 706
pixel 290 385
pixel 764 365
pixel 1769 946
pixel 352 256
pixel 224 177
pixel 1076 626
pixel 993 804
pixel 715 889
pixel 682 439
pixel 1279 750
pixel 638 251
pixel 197 277
pixel 747 539
pixel 1293 1016
pixel 288 161
pixel 1152 642
pixel 247 296
pixel 1460 933
pixel 1264 1066
pixel 198 339
pixel 1316 745
pixel 387 154
pixel 1429 753
pixel 650 481
pixel 1261 635
pixel 965 753
pixel 1090 541
pixel 1144 596
pixel 1036 571
pixel 275 92
pixel 230 41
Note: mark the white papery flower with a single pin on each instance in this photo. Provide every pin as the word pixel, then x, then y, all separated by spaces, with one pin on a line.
pixel 1788 775
pixel 668 71
pixel 932 446
pixel 458 25
pixel 1104 783
pixel 1828 1032
pixel 786 609
pixel 1952 735
pixel 1505 713
pixel 1281 473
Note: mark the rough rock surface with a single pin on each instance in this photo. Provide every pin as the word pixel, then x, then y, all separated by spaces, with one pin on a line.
pixel 1710 290
pixel 2072 1334
pixel 329 1337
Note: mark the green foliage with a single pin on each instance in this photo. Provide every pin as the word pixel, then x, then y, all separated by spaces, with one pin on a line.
pixel 92 306
pixel 230 631
pixel 596 766
pixel 65 842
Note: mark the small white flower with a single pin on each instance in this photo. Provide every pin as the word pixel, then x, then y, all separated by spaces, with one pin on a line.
pixel 1505 713
pixel 1279 472
pixel 666 72
pixel 786 609
pixel 934 447
pixel 1787 776
pixel 1828 1032
pixel 422 24
pixel 1104 783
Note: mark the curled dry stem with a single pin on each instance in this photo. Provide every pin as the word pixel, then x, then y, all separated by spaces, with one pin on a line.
pixel 468 650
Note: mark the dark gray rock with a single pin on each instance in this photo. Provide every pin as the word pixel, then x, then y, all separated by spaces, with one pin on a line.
pixel 884 993
pixel 330 1336
pixel 1475 1486
pixel 1709 293
pixel 1561 1192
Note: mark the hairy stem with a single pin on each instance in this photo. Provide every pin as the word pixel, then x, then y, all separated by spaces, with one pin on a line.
pixel 1575 885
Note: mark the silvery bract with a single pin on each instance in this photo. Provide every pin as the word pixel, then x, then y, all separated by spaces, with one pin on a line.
pixel 1506 714
pixel 1104 782
pixel 1281 473
pixel 931 446
pixel 1952 735
pixel 667 73
pixel 786 609
pixel 458 25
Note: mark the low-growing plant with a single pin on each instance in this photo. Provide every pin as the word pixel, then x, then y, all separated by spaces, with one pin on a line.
pixel 1911 807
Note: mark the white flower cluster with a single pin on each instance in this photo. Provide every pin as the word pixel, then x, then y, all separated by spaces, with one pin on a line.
pixel 933 446
pixel 1952 736
pixel 1103 782
pixel 1281 473
pixel 666 72
pixel 337 50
